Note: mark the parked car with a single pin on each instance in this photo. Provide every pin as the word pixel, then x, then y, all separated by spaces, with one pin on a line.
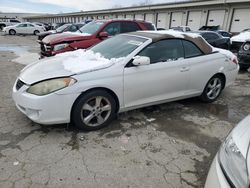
pixel 23 28
pixel 128 71
pixel 8 22
pixel 64 28
pixel 90 34
pixel 181 28
pixel 244 55
pixel 210 28
pixel 224 33
pixel 56 25
pixel 215 39
pixel 239 39
pixel 230 167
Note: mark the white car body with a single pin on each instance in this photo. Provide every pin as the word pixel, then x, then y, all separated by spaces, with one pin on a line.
pixel 134 87
pixel 242 37
pixel 218 177
pixel 24 28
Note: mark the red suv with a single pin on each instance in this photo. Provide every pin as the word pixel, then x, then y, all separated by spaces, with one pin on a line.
pixel 90 34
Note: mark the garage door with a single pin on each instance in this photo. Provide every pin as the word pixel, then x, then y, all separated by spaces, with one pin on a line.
pixel 149 18
pixel 240 20
pixel 120 16
pixel 139 16
pixel 194 20
pixel 129 16
pixel 162 20
pixel 216 17
pixel 176 19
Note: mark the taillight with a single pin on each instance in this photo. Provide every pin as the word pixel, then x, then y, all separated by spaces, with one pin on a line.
pixel 235 61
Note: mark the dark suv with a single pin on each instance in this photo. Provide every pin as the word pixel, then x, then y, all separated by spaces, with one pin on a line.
pixel 244 55
pixel 89 35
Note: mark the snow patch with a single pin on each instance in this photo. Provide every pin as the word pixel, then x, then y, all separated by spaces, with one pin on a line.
pixel 174 33
pixel 242 37
pixel 26 58
pixel 86 61
pixel 78 33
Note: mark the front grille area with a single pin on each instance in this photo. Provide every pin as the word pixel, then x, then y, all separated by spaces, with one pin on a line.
pixel 19 84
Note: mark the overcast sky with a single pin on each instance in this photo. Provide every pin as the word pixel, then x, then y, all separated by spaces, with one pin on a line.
pixel 58 6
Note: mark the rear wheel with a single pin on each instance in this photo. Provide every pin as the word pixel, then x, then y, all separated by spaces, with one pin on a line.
pixel 36 32
pixel 12 32
pixel 94 110
pixel 213 89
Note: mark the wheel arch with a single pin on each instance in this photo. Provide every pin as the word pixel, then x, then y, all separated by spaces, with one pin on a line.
pixel 222 75
pixel 97 88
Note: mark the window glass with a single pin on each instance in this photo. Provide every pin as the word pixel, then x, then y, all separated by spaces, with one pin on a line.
pixel 30 25
pixel 149 26
pixel 72 28
pixel 210 36
pixel 91 27
pixel 129 27
pixel 22 25
pixel 165 50
pixel 191 50
pixel 118 46
pixel 113 28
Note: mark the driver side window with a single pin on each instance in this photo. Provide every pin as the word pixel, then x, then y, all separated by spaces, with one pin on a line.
pixel 164 51
pixel 113 28
pixel 22 25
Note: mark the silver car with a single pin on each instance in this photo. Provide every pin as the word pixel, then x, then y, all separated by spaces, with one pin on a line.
pixel 230 167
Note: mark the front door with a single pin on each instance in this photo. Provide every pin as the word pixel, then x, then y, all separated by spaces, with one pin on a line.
pixel 166 77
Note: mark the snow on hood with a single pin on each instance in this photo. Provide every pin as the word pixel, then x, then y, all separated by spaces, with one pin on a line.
pixel 81 61
pixel 78 33
pixel 242 37
pixel 65 64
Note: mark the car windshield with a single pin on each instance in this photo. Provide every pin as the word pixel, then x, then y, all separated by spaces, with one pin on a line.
pixel 118 46
pixel 60 29
pixel 91 27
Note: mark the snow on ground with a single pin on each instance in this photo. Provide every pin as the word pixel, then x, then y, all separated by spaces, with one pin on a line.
pixel 27 58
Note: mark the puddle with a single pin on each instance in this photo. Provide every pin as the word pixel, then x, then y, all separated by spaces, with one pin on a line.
pixel 25 57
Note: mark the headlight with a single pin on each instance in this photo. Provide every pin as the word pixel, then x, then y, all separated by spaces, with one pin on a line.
pixel 49 86
pixel 233 163
pixel 60 46
pixel 246 47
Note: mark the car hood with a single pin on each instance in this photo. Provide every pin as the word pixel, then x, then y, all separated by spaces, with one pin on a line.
pixel 65 37
pixel 242 37
pixel 65 64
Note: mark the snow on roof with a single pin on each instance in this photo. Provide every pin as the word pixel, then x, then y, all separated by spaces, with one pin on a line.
pixel 242 37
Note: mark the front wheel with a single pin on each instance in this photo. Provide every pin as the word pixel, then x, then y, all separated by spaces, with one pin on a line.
pixel 94 110
pixel 213 89
pixel 12 32
pixel 36 32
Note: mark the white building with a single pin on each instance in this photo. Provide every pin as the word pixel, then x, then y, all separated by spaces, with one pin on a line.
pixel 230 15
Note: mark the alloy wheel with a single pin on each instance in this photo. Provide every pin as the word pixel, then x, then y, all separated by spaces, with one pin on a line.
pixel 214 88
pixel 95 111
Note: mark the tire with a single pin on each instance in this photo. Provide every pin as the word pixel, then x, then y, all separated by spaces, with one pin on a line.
pixel 93 110
pixel 12 32
pixel 1 27
pixel 36 32
pixel 213 89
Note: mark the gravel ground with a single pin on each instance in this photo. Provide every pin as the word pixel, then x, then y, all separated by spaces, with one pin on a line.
pixel 169 145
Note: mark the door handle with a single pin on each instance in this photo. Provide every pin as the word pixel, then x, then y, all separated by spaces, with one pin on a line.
pixel 184 69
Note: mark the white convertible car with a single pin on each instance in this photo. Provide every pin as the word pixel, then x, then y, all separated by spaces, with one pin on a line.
pixel 124 72
pixel 23 28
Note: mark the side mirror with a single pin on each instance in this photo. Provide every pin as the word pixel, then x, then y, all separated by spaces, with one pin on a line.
pixel 103 35
pixel 141 60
